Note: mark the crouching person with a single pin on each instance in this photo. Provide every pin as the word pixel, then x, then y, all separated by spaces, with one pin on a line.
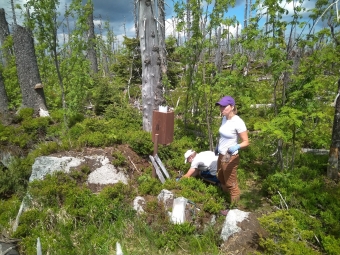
pixel 203 164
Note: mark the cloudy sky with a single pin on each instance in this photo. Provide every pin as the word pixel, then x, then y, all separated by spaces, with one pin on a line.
pixel 120 13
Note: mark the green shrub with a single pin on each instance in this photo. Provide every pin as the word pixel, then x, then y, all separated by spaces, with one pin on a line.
pixel 23 140
pixel 57 115
pixel 28 221
pixel 95 125
pixel 8 211
pixel 212 205
pixel 70 219
pixel 80 176
pixel 141 143
pixel 36 126
pixel 149 185
pixel 103 96
pixel 284 235
pixel 118 193
pixel 331 245
pixel 125 117
pixel 44 149
pixel 75 118
pixel 119 159
pixel 14 179
pixel 54 131
pixel 24 114
pixel 96 139
pixel 175 234
pixel 172 155
pixel 10 135
pixel 5 134
pixel 53 190
pixel 77 130
pixel 208 197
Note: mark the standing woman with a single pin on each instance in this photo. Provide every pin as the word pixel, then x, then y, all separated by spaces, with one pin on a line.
pixel 233 137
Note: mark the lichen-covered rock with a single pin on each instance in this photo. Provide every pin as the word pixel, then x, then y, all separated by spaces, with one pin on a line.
pixel 104 173
pixel 241 233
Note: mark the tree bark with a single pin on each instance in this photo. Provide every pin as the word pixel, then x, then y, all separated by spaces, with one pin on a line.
pixel 27 69
pixel 3 97
pixel 188 21
pixel 245 14
pixel 91 51
pixel 4 32
pixel 152 89
pixel 218 56
pixel 333 159
pixel 161 33
pixel 13 12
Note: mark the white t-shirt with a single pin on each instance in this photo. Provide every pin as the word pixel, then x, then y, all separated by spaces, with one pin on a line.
pixel 229 131
pixel 205 160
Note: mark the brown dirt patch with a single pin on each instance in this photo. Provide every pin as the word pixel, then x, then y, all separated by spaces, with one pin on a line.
pixel 133 165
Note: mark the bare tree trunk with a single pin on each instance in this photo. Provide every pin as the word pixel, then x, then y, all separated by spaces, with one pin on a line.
pixel 267 21
pixel 188 21
pixel 218 56
pixel 152 89
pixel 135 17
pixel 207 113
pixel 161 34
pixel 101 51
pixel 69 49
pixel 13 12
pixel 228 44
pixel 27 69
pixel 3 97
pixel 250 3
pixel 4 32
pixel 91 50
pixel 333 160
pixel 245 13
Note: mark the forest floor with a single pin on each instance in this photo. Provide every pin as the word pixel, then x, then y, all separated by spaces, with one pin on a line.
pixel 252 200
pixel 134 163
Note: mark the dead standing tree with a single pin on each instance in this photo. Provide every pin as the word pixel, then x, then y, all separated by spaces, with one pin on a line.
pixel 334 155
pixel 27 69
pixel 149 36
pixel 3 97
pixel 91 50
pixel 4 33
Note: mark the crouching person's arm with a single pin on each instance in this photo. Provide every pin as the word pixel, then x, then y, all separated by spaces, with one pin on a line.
pixel 192 172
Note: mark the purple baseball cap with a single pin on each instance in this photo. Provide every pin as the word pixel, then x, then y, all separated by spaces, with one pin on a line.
pixel 225 101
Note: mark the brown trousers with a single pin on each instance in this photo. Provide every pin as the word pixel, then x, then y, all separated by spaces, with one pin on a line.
pixel 227 175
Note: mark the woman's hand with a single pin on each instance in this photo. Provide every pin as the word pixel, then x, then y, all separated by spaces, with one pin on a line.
pixel 234 148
